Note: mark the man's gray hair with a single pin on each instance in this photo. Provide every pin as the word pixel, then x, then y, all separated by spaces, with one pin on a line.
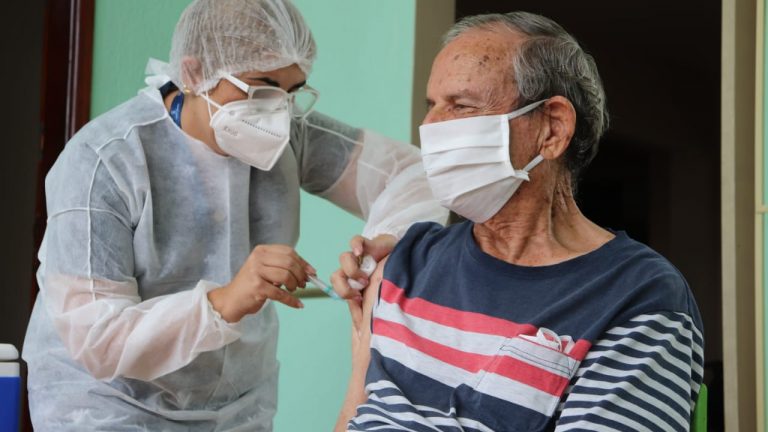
pixel 548 63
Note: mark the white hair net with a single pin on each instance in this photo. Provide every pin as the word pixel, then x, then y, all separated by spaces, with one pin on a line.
pixel 236 36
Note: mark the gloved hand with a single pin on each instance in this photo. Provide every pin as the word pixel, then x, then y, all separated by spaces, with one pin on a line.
pixel 377 248
pixel 265 271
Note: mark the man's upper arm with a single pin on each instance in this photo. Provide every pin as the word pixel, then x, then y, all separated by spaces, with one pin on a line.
pixel 643 375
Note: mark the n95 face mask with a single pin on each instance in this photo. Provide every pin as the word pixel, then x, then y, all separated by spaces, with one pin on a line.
pixel 256 137
pixel 468 164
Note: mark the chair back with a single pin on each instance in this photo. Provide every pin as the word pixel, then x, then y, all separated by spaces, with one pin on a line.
pixel 699 423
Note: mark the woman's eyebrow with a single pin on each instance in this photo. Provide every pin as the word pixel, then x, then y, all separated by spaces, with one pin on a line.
pixel 297 86
pixel 266 80
pixel 274 83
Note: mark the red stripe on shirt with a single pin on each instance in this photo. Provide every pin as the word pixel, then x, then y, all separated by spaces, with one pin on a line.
pixel 466 321
pixel 580 349
pixel 502 365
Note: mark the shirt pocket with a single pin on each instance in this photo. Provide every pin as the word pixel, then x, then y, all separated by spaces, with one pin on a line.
pixel 526 380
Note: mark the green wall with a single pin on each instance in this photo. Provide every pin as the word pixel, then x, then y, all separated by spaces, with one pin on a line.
pixel 364 73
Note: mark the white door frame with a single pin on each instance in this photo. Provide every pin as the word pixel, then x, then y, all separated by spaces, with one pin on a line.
pixel 743 380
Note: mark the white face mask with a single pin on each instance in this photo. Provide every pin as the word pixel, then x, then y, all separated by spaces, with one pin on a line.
pixel 468 163
pixel 256 138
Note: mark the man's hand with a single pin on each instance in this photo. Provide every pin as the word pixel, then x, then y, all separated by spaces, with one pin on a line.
pixel 378 248
pixel 267 268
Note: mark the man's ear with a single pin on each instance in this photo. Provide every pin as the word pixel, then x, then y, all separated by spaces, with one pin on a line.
pixel 559 126
pixel 191 73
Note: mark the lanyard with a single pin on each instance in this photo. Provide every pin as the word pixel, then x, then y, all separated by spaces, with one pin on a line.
pixel 178 101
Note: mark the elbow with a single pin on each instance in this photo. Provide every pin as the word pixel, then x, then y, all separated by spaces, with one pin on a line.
pixel 86 324
pixel 96 358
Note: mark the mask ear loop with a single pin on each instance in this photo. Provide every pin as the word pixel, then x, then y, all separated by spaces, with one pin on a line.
pixel 210 102
pixel 525 110
pixel 523 173
pixel 208 105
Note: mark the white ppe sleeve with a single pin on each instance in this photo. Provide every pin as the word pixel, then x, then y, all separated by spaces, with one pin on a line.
pixel 111 332
pixel 369 175
pixel 90 291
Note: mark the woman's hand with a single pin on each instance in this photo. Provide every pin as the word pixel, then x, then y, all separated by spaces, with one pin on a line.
pixel 267 269
pixel 378 248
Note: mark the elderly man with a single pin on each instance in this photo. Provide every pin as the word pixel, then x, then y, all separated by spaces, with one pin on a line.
pixel 528 316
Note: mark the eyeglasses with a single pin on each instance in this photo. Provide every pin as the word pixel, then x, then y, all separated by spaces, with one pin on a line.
pixel 269 99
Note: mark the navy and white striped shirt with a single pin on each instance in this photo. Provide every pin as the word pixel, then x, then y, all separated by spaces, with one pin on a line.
pixel 462 341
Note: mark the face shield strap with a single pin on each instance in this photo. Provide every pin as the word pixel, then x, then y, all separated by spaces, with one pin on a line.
pixel 236 82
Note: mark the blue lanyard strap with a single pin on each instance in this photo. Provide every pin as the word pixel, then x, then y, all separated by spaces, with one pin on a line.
pixel 176 104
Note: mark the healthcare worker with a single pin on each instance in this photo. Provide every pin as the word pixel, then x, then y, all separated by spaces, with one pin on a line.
pixel 171 225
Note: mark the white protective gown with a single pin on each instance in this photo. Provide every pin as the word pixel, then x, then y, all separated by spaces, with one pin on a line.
pixel 143 220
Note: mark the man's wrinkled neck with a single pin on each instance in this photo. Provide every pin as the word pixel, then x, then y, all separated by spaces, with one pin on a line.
pixel 539 227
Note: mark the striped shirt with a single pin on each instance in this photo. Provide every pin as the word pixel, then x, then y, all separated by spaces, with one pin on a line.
pixel 461 341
